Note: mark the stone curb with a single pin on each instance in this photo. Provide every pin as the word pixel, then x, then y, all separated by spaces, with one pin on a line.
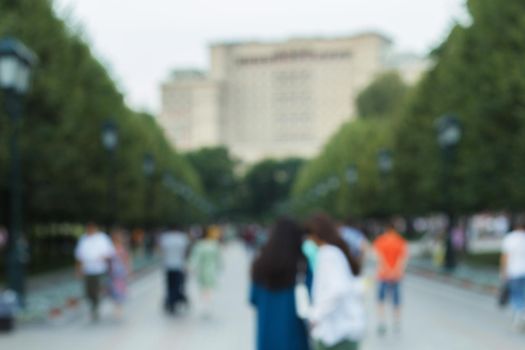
pixel 457 281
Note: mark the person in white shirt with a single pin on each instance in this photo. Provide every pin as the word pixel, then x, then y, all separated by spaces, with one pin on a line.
pixel 174 246
pixel 337 314
pixel 93 253
pixel 513 270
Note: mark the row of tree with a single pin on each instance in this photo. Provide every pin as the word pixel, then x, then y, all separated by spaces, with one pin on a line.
pixel 253 193
pixel 478 75
pixel 65 167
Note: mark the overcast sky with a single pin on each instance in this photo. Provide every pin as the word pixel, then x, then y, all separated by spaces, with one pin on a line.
pixel 142 40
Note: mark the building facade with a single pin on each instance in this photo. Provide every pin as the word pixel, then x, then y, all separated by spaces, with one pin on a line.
pixel 271 99
pixel 190 110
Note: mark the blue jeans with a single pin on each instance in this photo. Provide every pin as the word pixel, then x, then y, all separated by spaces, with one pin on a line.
pixel 392 289
pixel 517 293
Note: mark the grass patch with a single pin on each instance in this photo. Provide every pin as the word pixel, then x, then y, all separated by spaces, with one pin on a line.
pixel 483 260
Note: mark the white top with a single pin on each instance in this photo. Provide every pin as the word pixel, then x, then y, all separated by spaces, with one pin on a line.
pixel 338 312
pixel 514 249
pixel 174 246
pixel 93 252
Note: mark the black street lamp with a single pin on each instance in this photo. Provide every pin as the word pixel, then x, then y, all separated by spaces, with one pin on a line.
pixel 109 134
pixel 16 62
pixel 148 166
pixel 449 133
pixel 385 164
pixel 352 175
pixel 333 183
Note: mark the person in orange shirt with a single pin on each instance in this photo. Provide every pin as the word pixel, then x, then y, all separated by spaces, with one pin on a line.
pixel 391 250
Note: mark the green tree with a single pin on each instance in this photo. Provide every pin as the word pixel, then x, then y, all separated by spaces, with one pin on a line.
pixel 479 77
pixel 216 169
pixel 382 97
pixel 356 144
pixel 267 185
pixel 65 165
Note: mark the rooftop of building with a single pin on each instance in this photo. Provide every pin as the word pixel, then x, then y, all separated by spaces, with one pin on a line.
pixel 233 43
pixel 188 73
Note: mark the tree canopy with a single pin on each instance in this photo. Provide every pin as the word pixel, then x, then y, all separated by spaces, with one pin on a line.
pixel 382 96
pixel 478 75
pixel 216 169
pixel 266 186
pixel 65 166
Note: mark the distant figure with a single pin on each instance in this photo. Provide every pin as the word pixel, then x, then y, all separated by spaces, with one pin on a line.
pixel 149 244
pixel 93 253
pixel 513 271
pixel 392 252
pixel 310 250
pixel 274 274
pixel 205 264
pixel 355 239
pixel 3 237
pixel 338 315
pixel 137 241
pixel 174 247
pixel 119 271
pixel 250 238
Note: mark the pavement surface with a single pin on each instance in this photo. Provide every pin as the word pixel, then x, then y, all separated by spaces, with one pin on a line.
pixel 58 291
pixel 437 316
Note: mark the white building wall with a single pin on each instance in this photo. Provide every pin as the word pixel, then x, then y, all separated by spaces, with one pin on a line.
pixel 273 99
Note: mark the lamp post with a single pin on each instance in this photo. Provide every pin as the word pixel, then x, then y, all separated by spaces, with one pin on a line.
pixel 148 166
pixel 385 164
pixel 109 134
pixel 352 175
pixel 16 62
pixel 333 183
pixel 449 133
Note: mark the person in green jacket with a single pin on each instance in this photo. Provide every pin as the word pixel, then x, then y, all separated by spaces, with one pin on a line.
pixel 205 264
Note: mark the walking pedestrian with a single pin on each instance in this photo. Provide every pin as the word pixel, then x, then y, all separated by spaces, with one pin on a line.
pixel 513 271
pixel 337 315
pixel 149 244
pixel 274 274
pixel 174 245
pixel 355 239
pixel 120 269
pixel 205 264
pixel 93 253
pixel 392 253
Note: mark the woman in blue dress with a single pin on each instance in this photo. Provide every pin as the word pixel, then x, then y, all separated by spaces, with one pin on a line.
pixel 274 274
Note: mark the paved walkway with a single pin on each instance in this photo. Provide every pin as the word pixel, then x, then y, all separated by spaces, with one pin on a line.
pixel 145 325
pixel 437 317
pixel 57 290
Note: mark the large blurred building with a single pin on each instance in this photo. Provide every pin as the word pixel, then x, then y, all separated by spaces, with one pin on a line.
pixel 272 99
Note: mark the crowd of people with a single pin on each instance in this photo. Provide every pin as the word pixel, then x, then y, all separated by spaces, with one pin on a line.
pixel 105 266
pixel 307 278
pixel 327 260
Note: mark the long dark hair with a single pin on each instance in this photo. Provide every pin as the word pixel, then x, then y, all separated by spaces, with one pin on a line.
pixel 277 264
pixel 322 226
